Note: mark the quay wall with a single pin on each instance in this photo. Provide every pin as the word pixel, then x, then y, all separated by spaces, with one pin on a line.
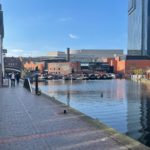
pixel 120 138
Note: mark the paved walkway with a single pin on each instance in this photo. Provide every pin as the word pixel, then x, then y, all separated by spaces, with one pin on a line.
pixel 30 122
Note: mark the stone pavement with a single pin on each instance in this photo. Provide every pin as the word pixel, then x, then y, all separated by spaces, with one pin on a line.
pixel 30 122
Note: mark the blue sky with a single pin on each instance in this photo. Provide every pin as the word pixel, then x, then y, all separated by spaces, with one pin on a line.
pixel 35 27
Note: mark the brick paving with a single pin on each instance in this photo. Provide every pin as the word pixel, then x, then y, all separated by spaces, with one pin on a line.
pixel 30 122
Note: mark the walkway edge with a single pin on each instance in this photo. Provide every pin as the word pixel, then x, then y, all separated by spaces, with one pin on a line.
pixel 122 139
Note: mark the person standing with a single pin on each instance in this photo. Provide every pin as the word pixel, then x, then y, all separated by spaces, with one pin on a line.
pixel 17 77
pixel 13 79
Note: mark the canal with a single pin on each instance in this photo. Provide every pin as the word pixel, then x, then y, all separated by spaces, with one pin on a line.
pixel 121 104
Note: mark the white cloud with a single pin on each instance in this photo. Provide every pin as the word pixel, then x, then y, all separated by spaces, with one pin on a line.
pixel 23 53
pixel 14 52
pixel 72 36
pixel 17 50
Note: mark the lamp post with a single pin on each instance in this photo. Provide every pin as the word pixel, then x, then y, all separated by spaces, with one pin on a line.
pixel 36 81
pixel 1 43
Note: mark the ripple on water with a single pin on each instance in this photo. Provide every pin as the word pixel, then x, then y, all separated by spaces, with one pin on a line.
pixel 121 104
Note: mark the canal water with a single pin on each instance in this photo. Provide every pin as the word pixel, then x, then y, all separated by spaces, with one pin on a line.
pixel 121 104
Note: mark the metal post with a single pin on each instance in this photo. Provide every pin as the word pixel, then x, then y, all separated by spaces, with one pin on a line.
pixel 1 62
pixel 3 68
pixel 36 81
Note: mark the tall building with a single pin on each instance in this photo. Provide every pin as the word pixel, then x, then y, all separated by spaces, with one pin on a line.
pixel 88 55
pixel 1 44
pixel 139 26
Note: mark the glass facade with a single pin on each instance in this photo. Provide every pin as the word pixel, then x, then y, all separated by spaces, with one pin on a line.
pixel 139 26
pixel 148 38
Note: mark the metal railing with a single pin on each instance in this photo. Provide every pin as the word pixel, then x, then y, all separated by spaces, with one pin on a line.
pixel 27 84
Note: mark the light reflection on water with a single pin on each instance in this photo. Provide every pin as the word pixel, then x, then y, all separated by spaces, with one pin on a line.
pixel 121 104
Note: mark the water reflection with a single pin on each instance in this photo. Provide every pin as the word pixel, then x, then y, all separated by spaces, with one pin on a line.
pixel 138 114
pixel 138 104
pixel 123 105
pixel 68 95
pixel 103 100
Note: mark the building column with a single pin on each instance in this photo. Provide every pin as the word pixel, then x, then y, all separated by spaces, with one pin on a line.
pixel 1 53
pixel 1 75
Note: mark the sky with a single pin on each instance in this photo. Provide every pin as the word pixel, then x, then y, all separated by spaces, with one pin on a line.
pixel 36 27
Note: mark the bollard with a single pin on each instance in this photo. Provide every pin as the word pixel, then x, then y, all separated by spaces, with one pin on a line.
pixel 101 94
pixel 65 111
pixel 36 81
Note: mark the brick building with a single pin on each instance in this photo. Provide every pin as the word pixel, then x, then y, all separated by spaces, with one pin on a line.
pixel 30 66
pixel 130 64
pixel 64 68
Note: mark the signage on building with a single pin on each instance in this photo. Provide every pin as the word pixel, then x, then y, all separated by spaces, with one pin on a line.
pixel 4 51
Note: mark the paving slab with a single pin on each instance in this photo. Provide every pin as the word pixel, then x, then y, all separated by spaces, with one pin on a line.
pixel 30 122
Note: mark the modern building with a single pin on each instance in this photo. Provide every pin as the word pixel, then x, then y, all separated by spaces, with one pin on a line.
pixel 57 54
pixel 87 55
pixel 134 52
pixel 139 26
pixel 94 55
pixel 96 67
pixel 1 44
